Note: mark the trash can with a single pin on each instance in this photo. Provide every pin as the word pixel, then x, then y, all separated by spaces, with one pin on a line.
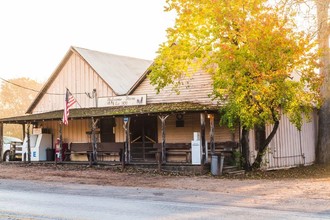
pixel 50 153
pixel 222 158
pixel 215 165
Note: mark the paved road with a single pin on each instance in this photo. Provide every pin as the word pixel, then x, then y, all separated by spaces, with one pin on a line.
pixel 38 200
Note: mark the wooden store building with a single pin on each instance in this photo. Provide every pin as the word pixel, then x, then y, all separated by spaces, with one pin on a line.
pixel 119 118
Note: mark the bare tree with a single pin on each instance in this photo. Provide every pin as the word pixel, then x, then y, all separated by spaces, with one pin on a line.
pixel 15 97
pixel 314 16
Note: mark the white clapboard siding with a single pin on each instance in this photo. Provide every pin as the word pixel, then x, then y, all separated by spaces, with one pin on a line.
pixel 289 147
pixel 79 78
pixel 196 88
pixel 120 135
pixel 192 124
pixel 74 132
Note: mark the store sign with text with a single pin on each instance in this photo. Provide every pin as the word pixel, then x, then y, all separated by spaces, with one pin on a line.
pixel 122 100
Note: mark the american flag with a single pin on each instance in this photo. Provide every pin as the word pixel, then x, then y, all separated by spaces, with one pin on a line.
pixel 69 102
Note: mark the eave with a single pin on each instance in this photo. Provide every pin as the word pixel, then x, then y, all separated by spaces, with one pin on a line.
pixel 82 113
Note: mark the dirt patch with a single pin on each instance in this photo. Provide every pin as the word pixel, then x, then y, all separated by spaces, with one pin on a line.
pixel 309 182
pixel 111 175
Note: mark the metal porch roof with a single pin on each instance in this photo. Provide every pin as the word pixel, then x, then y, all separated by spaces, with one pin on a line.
pixel 112 111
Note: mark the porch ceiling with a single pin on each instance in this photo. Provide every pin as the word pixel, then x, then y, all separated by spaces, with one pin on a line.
pixel 112 111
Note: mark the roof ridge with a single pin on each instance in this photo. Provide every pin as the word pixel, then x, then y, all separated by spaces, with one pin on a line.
pixel 106 53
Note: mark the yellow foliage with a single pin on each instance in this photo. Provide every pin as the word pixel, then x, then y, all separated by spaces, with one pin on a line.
pixel 251 49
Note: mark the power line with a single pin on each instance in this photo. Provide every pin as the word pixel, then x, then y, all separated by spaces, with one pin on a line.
pixel 23 87
pixel 34 90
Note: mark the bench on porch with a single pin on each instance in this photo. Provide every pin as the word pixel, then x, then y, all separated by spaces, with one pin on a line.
pixel 77 150
pixel 226 148
pixel 105 151
pixel 110 151
pixel 175 152
pixel 181 152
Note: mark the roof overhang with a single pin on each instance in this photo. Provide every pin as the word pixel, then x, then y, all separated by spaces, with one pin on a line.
pixel 82 113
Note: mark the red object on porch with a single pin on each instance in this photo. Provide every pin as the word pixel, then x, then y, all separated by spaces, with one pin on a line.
pixel 57 151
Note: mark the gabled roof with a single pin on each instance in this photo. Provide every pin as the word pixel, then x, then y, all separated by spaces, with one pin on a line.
pixel 120 72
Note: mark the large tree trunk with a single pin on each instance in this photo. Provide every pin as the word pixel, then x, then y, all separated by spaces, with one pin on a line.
pixel 323 148
pixel 263 146
pixel 1 141
pixel 245 149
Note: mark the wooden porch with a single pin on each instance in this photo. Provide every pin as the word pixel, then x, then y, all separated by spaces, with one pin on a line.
pixel 178 156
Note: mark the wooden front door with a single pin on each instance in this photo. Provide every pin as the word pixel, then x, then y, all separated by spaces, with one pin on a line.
pixel 106 127
pixel 143 136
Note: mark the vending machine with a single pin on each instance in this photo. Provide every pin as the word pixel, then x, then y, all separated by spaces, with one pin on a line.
pixel 197 151
pixel 38 144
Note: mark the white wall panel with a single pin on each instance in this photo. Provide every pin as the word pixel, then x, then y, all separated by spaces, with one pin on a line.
pixel 195 89
pixel 79 78
pixel 192 124
pixel 289 147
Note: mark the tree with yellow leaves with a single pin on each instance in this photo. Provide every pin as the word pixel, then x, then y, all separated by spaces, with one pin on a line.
pixel 261 66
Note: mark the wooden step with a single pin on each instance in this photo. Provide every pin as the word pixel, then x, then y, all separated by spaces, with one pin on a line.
pixel 227 169
pixel 236 172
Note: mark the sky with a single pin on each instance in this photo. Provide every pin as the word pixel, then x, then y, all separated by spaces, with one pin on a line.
pixel 36 34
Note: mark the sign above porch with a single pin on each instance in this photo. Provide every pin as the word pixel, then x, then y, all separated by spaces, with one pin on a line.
pixel 128 100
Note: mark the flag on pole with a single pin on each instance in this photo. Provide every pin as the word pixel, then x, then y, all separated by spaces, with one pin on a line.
pixel 69 102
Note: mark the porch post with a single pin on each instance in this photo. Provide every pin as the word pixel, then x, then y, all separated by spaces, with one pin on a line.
pixel 23 131
pixel 163 156
pixel 127 150
pixel 1 140
pixel 202 115
pixel 61 142
pixel 28 143
pixel 94 144
pixel 212 144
